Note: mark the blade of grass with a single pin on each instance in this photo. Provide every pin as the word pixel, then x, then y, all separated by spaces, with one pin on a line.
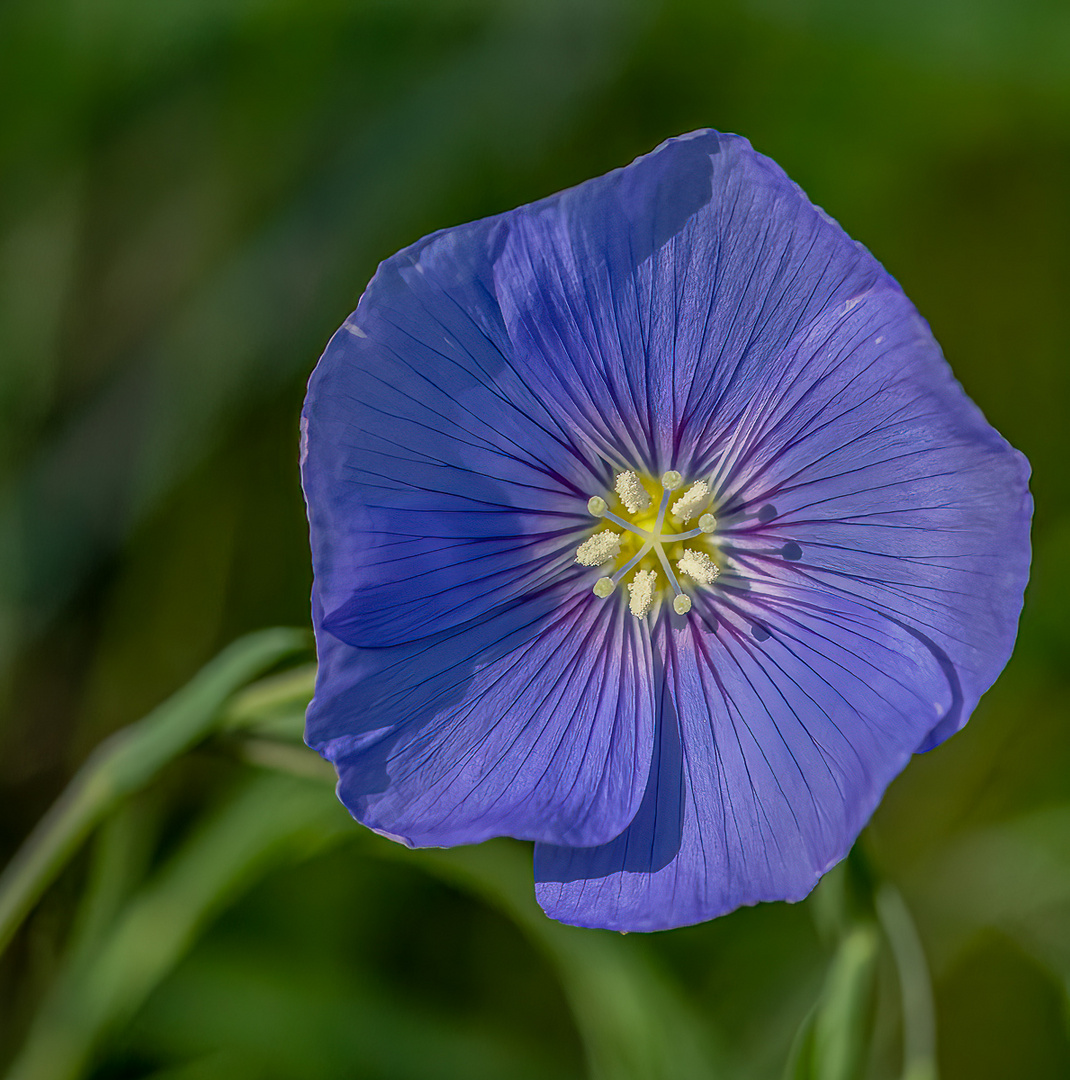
pixel 273 707
pixel 842 1022
pixel 127 761
pixel 831 1042
pixel 272 819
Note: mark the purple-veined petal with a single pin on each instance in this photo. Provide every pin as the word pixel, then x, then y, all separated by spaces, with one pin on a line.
pixel 535 722
pixel 781 719
pixel 640 297
pixel 864 471
pixel 438 485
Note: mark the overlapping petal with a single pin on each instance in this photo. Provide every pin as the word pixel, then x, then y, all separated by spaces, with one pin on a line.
pixel 536 721
pixel 645 296
pixel 438 483
pixel 871 476
pixel 782 716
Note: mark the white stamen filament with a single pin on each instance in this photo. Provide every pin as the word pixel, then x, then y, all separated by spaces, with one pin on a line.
pixel 641 592
pixel 667 567
pixel 637 557
pixel 698 566
pixel 632 493
pixel 599 548
pixel 691 501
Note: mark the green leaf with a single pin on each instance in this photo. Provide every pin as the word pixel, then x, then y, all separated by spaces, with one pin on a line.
pixel 273 818
pixel 833 1040
pixel 127 761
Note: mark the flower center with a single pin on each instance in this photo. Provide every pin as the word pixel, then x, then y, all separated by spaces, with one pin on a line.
pixel 650 540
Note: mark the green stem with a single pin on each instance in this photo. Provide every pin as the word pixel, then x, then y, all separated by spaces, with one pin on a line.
pixel 919 1026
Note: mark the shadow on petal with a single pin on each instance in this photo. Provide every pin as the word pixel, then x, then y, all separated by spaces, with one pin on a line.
pixel 534 722
pixel 652 840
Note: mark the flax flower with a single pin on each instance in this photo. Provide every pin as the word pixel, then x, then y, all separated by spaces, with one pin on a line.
pixel 649 524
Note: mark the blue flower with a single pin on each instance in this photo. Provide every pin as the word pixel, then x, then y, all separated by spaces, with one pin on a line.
pixel 648 523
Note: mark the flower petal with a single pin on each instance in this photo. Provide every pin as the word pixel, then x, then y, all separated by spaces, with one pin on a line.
pixel 438 484
pixel 867 473
pixel 779 727
pixel 536 722
pixel 640 297
pixel 699 306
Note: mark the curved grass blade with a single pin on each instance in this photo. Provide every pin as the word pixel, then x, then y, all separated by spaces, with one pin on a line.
pixel 274 818
pixel 273 707
pixel 833 1039
pixel 919 1023
pixel 128 760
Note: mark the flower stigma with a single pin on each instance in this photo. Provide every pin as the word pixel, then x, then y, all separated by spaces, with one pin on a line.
pixel 651 541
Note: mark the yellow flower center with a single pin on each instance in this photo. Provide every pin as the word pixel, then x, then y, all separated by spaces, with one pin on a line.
pixel 648 536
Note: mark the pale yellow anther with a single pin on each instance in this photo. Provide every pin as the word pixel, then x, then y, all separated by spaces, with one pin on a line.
pixel 632 493
pixel 596 505
pixel 603 587
pixel 599 548
pixel 707 523
pixel 692 500
pixel 671 480
pixel 698 566
pixel 682 604
pixel 641 592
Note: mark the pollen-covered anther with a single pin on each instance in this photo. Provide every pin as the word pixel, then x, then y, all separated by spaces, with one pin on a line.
pixel 641 592
pixel 599 548
pixel 692 500
pixel 698 566
pixel 632 493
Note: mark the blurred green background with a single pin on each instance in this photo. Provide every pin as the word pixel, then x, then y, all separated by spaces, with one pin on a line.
pixel 193 194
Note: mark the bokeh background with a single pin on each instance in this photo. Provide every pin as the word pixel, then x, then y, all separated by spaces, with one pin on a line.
pixel 192 195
